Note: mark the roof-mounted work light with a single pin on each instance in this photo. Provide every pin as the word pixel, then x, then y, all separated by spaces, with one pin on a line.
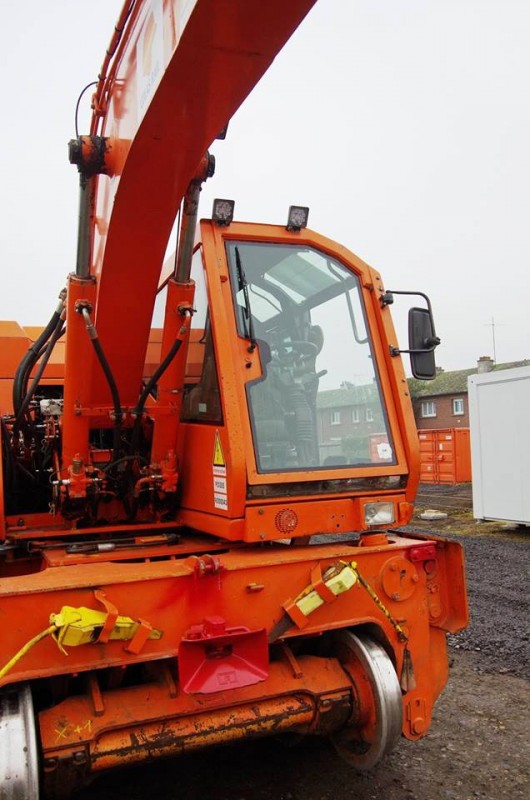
pixel 223 211
pixel 297 219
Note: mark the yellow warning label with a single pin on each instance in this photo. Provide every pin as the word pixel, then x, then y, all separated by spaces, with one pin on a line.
pixel 218 457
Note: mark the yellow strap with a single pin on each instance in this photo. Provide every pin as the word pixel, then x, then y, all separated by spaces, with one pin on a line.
pixel 399 630
pixel 26 648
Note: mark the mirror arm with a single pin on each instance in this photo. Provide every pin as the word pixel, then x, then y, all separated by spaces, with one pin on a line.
pixel 387 299
pixel 432 341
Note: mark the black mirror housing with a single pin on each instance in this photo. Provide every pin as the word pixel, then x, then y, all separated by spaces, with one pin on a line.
pixel 422 336
pixel 422 342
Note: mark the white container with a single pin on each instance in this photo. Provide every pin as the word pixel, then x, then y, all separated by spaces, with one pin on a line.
pixel 499 416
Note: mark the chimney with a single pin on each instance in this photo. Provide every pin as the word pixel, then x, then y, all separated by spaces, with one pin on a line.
pixel 484 364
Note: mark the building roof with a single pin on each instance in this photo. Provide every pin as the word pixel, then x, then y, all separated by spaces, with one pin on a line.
pixel 454 382
pixel 348 395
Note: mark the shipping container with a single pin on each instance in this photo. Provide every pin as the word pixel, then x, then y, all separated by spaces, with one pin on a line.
pixel 445 455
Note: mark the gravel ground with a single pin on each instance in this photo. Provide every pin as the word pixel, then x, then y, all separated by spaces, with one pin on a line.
pixel 477 747
pixel 497 576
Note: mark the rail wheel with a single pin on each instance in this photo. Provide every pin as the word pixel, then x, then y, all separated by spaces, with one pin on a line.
pixel 376 722
pixel 19 770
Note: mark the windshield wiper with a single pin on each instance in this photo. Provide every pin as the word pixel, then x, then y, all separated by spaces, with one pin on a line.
pixel 243 286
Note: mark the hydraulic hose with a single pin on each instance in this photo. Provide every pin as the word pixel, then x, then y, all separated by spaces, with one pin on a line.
pixel 96 344
pixel 153 380
pixel 30 359
pixel 20 381
pixel 32 356
pixel 59 331
pixel 157 374
pixel 7 457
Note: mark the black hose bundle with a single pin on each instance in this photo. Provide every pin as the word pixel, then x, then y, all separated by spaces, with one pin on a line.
pixel 46 353
pixel 8 459
pixel 20 383
pixel 151 383
pixel 105 366
pixel 96 344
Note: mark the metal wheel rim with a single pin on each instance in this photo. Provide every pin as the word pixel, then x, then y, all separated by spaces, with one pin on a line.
pixel 384 685
pixel 19 769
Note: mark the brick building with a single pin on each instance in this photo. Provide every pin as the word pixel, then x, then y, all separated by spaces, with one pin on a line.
pixel 443 402
pixel 351 422
pixel 347 420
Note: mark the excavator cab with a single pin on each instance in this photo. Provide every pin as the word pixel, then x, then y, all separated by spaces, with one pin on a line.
pixel 300 304
pixel 299 395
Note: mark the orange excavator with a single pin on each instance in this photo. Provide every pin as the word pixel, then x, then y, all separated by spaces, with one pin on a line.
pixel 200 522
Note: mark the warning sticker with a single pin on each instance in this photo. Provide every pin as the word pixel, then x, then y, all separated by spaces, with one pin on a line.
pixel 219 463
pixel 220 485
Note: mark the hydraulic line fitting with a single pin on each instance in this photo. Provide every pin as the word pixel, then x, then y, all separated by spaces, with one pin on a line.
pixel 88 154
pixel 162 477
pixel 80 478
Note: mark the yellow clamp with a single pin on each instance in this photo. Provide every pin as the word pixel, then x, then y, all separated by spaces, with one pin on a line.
pixel 75 626
pixel 338 578
pixel 324 588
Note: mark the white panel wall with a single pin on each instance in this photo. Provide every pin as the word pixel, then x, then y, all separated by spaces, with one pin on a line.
pixel 499 416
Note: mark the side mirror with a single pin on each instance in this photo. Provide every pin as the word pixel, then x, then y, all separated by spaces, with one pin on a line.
pixel 422 342
pixel 422 337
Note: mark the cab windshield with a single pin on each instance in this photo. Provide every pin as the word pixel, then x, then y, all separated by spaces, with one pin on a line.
pixel 318 404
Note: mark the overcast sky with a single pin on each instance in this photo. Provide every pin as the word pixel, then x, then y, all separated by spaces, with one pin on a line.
pixel 403 124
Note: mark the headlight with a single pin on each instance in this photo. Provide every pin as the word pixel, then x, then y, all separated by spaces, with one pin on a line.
pixel 223 211
pixel 379 513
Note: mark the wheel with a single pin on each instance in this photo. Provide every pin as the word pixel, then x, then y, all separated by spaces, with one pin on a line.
pixel 377 718
pixel 19 771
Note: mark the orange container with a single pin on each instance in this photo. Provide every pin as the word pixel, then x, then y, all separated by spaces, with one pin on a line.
pixel 445 455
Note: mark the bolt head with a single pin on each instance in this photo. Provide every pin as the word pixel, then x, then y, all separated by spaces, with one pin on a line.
pixel 74 151
pixel 419 725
